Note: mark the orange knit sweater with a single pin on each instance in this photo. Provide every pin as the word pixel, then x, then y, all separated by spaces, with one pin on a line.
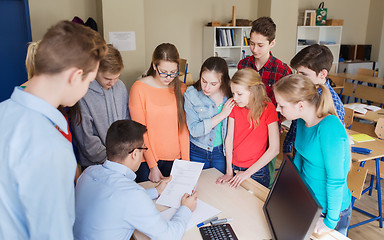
pixel 156 109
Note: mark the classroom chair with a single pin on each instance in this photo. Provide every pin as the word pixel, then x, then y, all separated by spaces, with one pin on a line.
pixel 370 94
pixel 355 181
pixel 348 117
pixel 366 72
pixel 371 165
pixel 348 90
pixel 339 84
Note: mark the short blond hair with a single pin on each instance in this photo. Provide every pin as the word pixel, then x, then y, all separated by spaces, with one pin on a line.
pixel 112 62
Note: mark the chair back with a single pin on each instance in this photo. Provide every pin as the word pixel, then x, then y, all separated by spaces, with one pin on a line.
pixel 348 117
pixel 369 93
pixel 356 179
pixel 348 89
pixel 379 129
pixel 366 72
pixel 339 82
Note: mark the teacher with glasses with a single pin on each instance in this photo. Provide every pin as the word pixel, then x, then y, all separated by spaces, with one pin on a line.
pixel 157 102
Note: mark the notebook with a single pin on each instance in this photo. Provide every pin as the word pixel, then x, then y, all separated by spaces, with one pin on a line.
pixel 361 137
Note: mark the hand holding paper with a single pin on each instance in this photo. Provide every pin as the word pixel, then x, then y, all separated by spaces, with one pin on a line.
pixel 184 178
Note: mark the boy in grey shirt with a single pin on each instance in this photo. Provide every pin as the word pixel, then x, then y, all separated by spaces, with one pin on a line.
pixel 105 102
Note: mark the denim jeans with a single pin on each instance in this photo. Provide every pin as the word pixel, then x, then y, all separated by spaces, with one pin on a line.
pixel 143 172
pixel 261 176
pixel 214 159
pixel 345 218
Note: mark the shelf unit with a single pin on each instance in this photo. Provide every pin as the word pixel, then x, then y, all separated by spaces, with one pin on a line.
pixel 232 54
pixel 329 36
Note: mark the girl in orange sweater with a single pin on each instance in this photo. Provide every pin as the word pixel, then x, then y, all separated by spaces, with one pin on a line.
pixel 157 102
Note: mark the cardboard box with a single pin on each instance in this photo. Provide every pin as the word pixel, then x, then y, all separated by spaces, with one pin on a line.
pixel 188 80
pixel 335 22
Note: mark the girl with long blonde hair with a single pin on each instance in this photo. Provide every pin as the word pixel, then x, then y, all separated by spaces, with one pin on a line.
pixel 323 153
pixel 253 132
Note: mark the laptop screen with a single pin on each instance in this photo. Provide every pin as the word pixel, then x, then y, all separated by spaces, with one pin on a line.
pixel 290 209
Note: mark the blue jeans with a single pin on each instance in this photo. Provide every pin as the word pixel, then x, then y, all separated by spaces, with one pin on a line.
pixel 214 159
pixel 143 172
pixel 345 218
pixel 261 176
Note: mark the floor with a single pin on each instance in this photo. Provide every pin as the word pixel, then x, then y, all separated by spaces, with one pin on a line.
pixel 370 230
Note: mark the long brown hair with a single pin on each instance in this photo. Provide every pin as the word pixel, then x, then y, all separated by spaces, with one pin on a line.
pixel 258 98
pixel 295 88
pixel 218 65
pixel 168 52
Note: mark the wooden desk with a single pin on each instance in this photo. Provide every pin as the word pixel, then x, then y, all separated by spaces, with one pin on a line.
pixel 370 115
pixel 361 78
pixel 243 207
pixel 377 147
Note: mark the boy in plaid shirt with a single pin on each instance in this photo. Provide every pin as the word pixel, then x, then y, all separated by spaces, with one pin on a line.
pixel 262 39
pixel 315 62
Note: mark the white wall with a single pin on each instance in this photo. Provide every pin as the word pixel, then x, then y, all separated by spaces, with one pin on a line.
pixel 374 27
pixel 45 13
pixel 354 12
pixel 182 22
pixel 381 53
pixel 286 28
pixel 127 16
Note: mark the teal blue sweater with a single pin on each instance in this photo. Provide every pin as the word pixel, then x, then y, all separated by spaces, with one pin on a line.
pixel 323 160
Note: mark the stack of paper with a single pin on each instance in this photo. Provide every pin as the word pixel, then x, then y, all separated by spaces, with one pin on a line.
pixel 362 108
pixel 184 178
pixel 359 108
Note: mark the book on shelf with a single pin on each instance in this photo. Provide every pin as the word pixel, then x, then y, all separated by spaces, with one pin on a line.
pixel 229 37
pixel 361 137
pixel 224 37
pixel 233 36
pixel 218 41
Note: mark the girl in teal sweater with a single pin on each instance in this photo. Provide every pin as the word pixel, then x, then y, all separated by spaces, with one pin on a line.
pixel 323 154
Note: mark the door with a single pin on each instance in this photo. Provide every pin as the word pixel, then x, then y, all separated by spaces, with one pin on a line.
pixel 15 33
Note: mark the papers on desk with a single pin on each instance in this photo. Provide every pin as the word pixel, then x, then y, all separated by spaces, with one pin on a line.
pixel 361 137
pixel 359 108
pixel 362 108
pixel 202 212
pixel 184 178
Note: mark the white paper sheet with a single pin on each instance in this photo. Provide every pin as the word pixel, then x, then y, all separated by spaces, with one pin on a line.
pixel 184 178
pixel 373 108
pixel 357 107
pixel 123 41
pixel 202 212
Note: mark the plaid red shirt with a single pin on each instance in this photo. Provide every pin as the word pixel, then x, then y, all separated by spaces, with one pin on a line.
pixel 271 72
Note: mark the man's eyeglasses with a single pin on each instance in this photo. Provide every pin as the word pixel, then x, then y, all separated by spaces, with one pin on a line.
pixel 142 148
pixel 165 75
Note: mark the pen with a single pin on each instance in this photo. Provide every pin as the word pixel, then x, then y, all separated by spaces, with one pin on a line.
pixel 207 221
pixel 224 220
